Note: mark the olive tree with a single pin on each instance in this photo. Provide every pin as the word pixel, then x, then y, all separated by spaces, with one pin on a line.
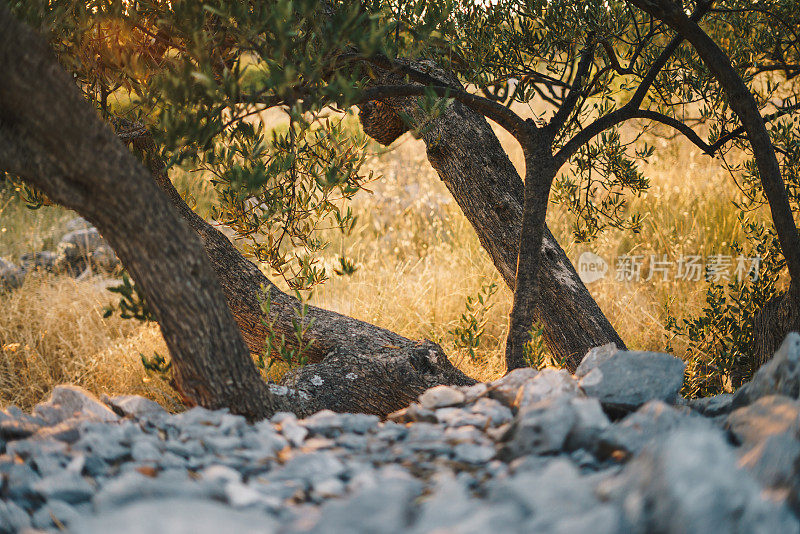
pixel 197 78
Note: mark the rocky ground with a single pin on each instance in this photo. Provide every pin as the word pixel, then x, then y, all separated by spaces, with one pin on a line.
pixel 81 251
pixel 612 449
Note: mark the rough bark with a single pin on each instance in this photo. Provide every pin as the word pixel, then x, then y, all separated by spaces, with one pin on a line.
pixel 469 159
pixel 377 383
pixel 52 138
pixel 776 319
pixel 540 173
pixel 355 366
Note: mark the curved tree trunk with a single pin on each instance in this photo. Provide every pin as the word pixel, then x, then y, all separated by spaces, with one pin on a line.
pixel 469 159
pixel 355 366
pixel 50 137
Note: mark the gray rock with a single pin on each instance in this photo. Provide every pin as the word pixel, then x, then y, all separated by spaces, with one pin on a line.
pixel 768 416
pixel 68 401
pixel 133 486
pixel 650 422
pixel 241 495
pixel 177 516
pixel 147 450
pixel 185 448
pixel 96 467
pixel 67 431
pixel 383 509
pixel 294 432
pixel 541 428
pixel 505 389
pixel 11 429
pixel 494 411
pixel 775 461
pixel 628 379
pixel 474 392
pixel 135 406
pixel 220 473
pixel 78 223
pixel 330 487
pixel 13 519
pixel 360 423
pixel 549 494
pixel 448 504
pixel 594 357
pixel 713 406
pixel 106 446
pixel 34 448
pixel 472 453
pixel 32 261
pixel 49 464
pixel 455 417
pixel 390 431
pixel 507 518
pixel 441 397
pixel 68 486
pixel 427 437
pixel 603 519
pixel 310 468
pixel 221 444
pixel 413 414
pixel 689 482
pixel 546 384
pixel 18 479
pixel 590 423
pixel 11 276
pixel 779 376
pixel 330 424
pixel 198 416
pixel 55 513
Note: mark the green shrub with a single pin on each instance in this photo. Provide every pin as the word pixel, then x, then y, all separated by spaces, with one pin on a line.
pixel 720 342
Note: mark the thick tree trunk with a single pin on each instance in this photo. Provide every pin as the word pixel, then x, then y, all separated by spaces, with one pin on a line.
pixel 50 137
pixel 776 319
pixel 469 159
pixel 377 383
pixel 355 366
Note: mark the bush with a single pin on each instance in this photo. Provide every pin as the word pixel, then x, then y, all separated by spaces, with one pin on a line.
pixel 720 342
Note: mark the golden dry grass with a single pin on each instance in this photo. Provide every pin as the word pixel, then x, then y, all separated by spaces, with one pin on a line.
pixel 418 261
pixel 420 258
pixel 52 331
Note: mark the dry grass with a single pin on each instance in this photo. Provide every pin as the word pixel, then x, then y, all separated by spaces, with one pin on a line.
pixel 52 331
pixel 419 259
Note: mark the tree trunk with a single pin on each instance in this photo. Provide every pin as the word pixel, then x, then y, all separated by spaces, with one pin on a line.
pixel 355 366
pixel 538 181
pixel 778 317
pixel 50 137
pixel 468 157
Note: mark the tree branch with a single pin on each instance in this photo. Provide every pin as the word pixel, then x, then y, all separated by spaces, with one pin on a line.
pixel 563 113
pixel 500 114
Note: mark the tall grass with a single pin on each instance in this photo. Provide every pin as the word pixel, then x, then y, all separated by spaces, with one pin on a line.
pixel 418 260
pixel 52 331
